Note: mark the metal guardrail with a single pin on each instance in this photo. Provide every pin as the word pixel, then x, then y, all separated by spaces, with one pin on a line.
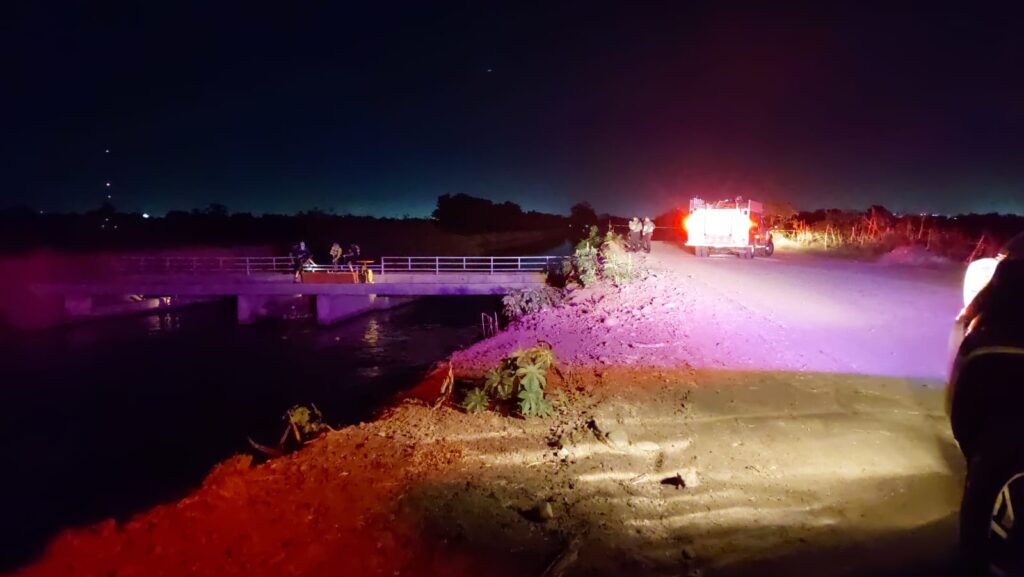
pixel 201 264
pixel 388 264
pixel 488 264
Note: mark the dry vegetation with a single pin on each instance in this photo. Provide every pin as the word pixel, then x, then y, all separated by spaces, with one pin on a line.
pixel 878 231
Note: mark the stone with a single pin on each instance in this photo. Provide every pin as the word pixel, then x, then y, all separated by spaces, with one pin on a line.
pixel 690 478
pixel 648 446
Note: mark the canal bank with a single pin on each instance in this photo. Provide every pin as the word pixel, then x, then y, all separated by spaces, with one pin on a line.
pixel 109 418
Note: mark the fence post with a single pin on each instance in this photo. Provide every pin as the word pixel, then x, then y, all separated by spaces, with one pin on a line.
pixel 492 265
pixel 519 263
pixel 437 265
pixel 463 264
pixel 408 263
pixel 382 267
pixel 246 266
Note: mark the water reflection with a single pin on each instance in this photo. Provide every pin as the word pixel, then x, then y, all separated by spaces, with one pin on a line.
pixel 371 334
pixel 162 323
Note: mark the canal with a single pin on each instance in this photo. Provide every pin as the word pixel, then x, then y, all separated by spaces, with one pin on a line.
pixel 109 418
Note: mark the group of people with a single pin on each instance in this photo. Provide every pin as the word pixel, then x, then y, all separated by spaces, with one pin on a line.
pixel 302 257
pixel 640 233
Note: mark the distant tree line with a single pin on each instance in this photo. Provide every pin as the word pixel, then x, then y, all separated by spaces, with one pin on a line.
pixel 106 228
pixel 465 214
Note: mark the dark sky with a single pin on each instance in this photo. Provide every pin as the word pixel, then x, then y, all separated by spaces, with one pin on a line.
pixel 289 105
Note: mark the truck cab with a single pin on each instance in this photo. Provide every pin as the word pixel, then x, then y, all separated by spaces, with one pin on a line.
pixel 731 226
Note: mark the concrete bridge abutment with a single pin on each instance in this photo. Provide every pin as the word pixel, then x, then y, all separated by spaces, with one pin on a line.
pixel 331 309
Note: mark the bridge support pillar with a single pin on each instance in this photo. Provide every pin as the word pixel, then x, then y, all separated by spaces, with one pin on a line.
pixel 251 308
pixel 78 305
pixel 335 308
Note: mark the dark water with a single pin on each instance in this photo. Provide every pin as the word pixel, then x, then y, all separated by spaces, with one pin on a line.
pixel 110 418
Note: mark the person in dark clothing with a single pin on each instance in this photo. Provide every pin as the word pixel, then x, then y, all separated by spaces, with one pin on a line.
pixel 300 258
pixel 351 256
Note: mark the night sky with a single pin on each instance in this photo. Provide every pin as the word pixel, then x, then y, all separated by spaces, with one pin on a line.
pixel 286 106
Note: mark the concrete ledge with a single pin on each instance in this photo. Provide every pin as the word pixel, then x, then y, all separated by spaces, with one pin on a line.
pixel 389 285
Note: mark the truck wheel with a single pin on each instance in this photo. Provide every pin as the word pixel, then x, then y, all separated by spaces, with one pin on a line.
pixel 988 536
pixel 749 253
pixel 769 249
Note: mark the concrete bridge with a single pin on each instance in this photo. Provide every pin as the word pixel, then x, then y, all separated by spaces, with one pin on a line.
pixel 257 284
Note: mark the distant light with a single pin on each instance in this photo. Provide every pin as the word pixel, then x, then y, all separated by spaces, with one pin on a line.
pixel 107 151
pixel 42 212
pixel 145 215
pixel 490 70
pixel 110 196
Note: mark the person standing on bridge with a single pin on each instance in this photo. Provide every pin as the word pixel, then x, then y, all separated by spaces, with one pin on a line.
pixel 300 258
pixel 634 234
pixel 647 231
pixel 351 256
pixel 336 254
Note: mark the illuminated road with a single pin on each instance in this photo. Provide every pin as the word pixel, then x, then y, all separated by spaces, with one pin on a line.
pixel 801 312
pixel 803 392
pixel 820 429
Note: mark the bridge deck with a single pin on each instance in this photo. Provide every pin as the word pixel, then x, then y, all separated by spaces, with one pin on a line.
pixel 274 284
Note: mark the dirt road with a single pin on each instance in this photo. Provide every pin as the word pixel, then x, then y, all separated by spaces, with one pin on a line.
pixel 813 411
pixel 821 314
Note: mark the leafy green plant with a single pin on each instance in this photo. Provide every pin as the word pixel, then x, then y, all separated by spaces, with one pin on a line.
pixel 524 302
pixel 500 382
pixel 592 240
pixel 476 401
pixel 618 268
pixel 306 421
pixel 531 375
pixel 522 375
pixel 585 265
pixel 541 356
pixel 532 402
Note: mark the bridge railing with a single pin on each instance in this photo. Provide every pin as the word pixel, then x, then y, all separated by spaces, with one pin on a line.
pixel 202 264
pixel 388 264
pixel 462 264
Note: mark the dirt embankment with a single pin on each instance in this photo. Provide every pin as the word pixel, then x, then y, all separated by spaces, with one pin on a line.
pixel 649 467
